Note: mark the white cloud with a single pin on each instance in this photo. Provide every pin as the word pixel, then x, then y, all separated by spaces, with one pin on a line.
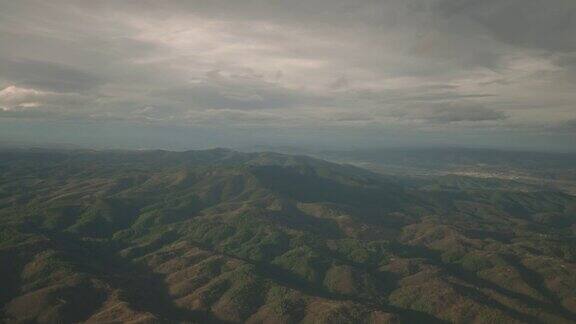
pixel 13 97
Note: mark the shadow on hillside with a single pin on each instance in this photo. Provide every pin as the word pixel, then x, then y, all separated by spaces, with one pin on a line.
pixel 531 278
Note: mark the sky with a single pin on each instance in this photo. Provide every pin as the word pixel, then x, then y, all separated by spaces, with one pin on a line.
pixel 332 73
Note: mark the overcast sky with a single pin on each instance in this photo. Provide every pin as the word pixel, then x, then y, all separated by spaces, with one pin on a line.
pixel 327 72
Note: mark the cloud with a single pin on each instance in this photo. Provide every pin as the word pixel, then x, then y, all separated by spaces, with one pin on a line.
pixel 568 126
pixel 340 83
pixel 463 113
pixel 16 98
pixel 451 112
pixel 47 76
pixel 541 24
pixel 434 64
pixel 13 97
pixel 238 91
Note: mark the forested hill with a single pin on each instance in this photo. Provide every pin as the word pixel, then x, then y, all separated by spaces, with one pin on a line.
pixel 228 237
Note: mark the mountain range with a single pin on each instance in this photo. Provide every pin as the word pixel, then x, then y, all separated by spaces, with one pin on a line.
pixel 219 236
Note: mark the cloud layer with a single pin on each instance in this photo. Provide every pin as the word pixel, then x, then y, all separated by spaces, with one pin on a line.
pixel 430 65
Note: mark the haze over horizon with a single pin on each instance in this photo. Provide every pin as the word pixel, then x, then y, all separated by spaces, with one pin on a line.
pixel 340 74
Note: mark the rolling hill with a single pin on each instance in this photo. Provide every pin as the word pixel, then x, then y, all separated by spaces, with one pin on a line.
pixel 228 237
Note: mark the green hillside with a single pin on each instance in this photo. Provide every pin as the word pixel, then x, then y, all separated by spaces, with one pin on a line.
pixel 228 237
